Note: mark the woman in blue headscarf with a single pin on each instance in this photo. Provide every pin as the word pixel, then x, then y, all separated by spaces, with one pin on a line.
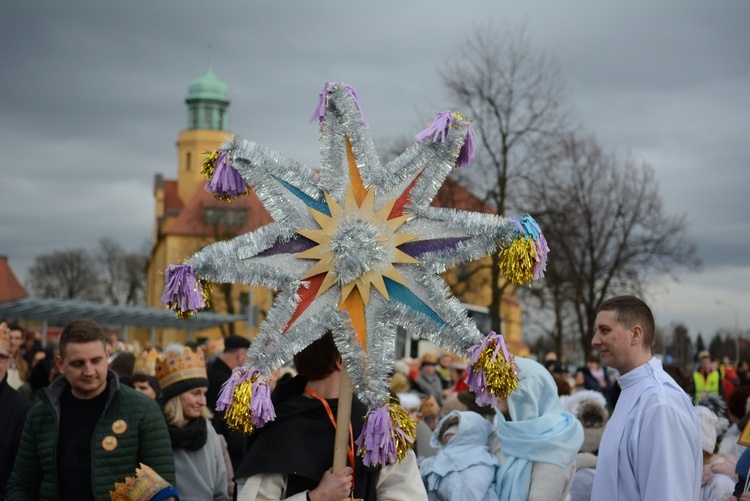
pixel 540 441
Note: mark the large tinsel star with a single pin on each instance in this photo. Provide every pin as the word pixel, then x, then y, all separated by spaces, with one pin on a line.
pixel 356 248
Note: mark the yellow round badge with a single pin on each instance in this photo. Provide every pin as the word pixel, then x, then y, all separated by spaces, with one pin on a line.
pixel 119 426
pixel 109 443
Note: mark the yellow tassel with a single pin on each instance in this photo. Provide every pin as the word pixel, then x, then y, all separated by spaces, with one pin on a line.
pixel 502 375
pixel 209 163
pixel 237 416
pixel 402 420
pixel 517 261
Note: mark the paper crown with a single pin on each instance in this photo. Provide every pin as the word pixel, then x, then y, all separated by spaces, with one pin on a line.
pixel 180 373
pixel 5 337
pixel 145 362
pixel 147 485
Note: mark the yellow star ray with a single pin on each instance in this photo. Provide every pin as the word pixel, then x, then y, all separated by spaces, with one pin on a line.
pixel 363 209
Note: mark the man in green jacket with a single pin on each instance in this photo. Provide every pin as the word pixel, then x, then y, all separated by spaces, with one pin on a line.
pixel 88 431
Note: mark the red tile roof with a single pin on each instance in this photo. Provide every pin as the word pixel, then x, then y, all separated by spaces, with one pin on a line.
pixel 453 195
pixel 10 288
pixel 172 202
pixel 192 218
pixel 192 221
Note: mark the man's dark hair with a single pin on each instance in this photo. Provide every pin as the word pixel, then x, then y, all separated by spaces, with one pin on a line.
pixel 145 378
pixel 82 330
pixel 318 360
pixel 630 311
pixel 737 401
pixel 12 326
pixel 123 364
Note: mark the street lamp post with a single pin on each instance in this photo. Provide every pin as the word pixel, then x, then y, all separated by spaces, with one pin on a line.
pixel 736 328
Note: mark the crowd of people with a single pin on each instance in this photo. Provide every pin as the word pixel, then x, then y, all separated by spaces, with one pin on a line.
pixel 89 417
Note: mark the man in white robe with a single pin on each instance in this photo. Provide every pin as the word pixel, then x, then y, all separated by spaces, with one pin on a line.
pixel 651 447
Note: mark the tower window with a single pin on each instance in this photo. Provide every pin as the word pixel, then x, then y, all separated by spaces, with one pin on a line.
pixel 226 217
pixel 188 161
pixel 194 118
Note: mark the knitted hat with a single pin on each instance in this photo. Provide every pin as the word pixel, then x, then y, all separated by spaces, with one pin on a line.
pixel 180 373
pixel 147 485
pixel 233 341
pixel 4 337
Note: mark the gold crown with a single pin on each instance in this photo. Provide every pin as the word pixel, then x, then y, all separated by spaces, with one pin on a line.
pixel 5 336
pixel 145 362
pixel 142 487
pixel 174 368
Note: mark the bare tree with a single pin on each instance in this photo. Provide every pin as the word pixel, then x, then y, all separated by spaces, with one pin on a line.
pixel 516 98
pixel 134 278
pixel 680 347
pixel 69 274
pixel 607 228
pixel 123 274
pixel 110 256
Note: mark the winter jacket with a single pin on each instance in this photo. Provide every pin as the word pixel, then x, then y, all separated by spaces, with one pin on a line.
pixel 202 472
pixel 131 430
pixel 13 410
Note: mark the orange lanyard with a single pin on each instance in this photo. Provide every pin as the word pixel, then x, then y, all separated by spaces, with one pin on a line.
pixel 350 448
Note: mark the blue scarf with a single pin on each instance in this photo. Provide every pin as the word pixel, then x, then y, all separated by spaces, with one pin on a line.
pixel 539 431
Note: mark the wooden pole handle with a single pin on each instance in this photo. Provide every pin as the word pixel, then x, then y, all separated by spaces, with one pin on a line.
pixel 343 418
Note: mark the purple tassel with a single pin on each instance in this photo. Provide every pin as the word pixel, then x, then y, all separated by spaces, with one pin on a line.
pixel 438 128
pixel 353 93
pixel 227 389
pixel 261 406
pixel 183 292
pixel 468 150
pixel 541 256
pixel 322 107
pixel 226 182
pixel 377 438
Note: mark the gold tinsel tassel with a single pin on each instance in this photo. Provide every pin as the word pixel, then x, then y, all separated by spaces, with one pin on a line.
pixel 209 163
pixel 402 421
pixel 238 416
pixel 501 374
pixel 517 261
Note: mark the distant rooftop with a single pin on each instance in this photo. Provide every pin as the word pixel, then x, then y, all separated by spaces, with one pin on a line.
pixel 10 288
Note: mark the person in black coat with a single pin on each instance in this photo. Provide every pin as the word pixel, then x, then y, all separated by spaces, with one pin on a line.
pixel 593 376
pixel 219 371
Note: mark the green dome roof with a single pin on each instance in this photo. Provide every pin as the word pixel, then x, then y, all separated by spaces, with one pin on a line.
pixel 208 87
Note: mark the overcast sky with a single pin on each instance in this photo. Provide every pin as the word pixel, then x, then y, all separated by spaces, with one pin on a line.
pixel 92 100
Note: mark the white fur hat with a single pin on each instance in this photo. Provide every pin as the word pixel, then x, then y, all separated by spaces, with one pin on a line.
pixel 708 421
pixel 590 407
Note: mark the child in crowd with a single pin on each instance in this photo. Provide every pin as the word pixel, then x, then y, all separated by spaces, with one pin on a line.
pixel 463 468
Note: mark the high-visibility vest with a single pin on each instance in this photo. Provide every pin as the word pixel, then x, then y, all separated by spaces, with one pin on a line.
pixel 706 385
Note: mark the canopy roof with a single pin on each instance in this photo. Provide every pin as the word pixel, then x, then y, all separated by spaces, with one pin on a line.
pixel 62 311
